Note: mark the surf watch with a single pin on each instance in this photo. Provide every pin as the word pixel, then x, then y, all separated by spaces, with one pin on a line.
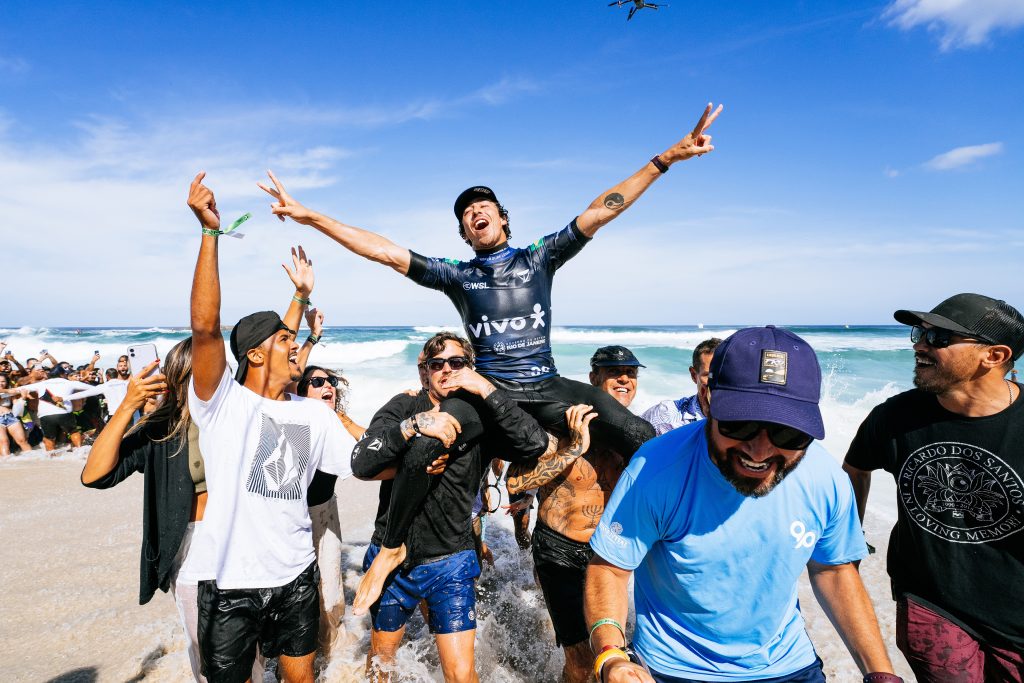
pixel 882 678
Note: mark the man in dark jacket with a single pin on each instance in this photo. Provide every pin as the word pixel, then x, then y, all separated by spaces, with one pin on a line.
pixel 462 410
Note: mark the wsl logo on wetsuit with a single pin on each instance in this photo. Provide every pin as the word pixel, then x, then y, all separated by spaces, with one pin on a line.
pixel 962 493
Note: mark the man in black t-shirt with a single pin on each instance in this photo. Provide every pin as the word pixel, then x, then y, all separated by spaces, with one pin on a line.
pixel 955 445
pixel 465 412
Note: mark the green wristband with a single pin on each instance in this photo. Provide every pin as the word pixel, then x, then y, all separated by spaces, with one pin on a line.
pixel 230 232
pixel 300 300
pixel 607 622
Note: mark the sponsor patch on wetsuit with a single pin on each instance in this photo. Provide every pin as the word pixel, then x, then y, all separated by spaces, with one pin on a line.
pixel 774 366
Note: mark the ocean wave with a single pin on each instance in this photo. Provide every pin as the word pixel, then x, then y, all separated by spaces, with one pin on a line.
pixel 342 354
pixel 683 339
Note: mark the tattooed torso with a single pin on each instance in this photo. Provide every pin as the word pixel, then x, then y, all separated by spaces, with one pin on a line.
pixel 572 503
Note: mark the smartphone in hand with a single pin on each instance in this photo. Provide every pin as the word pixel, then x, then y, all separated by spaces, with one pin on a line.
pixel 141 355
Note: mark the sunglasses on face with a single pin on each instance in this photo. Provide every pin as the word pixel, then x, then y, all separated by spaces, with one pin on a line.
pixel 781 436
pixel 317 382
pixel 455 363
pixel 936 337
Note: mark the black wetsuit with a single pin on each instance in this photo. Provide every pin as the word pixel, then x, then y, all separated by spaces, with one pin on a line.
pixel 441 525
pixel 504 298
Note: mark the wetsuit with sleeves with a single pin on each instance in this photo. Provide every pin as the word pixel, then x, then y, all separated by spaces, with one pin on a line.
pixel 431 514
pixel 504 298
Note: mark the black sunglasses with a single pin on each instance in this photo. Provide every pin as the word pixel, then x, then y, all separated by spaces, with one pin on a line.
pixel 455 363
pixel 936 337
pixel 788 438
pixel 317 382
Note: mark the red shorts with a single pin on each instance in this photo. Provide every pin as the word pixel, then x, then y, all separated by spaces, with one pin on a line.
pixel 939 651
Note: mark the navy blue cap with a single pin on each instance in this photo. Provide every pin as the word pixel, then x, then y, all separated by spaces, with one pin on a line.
pixel 770 375
pixel 614 356
pixel 473 194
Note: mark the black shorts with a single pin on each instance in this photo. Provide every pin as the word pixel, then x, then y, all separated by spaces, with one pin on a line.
pixel 53 425
pixel 547 400
pixel 561 565
pixel 282 620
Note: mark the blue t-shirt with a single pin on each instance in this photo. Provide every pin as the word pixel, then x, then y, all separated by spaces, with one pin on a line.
pixel 716 572
pixel 504 299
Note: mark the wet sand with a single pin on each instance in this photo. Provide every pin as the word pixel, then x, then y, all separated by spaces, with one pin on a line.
pixel 69 604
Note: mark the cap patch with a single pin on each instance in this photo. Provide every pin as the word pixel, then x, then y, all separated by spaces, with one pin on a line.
pixel 774 366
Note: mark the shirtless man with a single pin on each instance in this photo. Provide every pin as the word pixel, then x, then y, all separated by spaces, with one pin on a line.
pixel 573 491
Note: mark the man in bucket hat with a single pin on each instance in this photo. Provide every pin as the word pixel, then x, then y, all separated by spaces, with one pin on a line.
pixel 718 520
pixel 953 444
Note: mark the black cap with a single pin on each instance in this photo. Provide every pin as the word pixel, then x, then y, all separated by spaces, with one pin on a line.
pixel 612 356
pixel 974 315
pixel 249 333
pixel 471 195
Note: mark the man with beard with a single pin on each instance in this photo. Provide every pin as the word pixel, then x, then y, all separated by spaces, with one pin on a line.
pixel 953 444
pixel 574 484
pixel 718 519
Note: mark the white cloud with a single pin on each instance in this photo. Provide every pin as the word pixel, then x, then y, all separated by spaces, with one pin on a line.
pixel 961 23
pixel 891 172
pixel 963 156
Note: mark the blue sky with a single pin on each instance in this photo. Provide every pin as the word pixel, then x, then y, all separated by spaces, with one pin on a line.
pixel 868 158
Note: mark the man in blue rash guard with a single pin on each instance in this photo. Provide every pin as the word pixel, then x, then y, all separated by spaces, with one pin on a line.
pixel 504 298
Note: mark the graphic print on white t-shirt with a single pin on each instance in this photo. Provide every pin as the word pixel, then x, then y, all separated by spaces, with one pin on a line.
pixel 282 456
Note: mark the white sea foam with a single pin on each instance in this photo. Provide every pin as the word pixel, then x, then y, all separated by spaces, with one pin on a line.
pixel 638 338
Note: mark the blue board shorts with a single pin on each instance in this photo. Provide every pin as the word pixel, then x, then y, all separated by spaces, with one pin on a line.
pixel 447 584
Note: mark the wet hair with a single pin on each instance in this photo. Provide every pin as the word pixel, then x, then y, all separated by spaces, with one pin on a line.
pixel 503 212
pixel 435 345
pixel 340 394
pixel 177 368
pixel 123 357
pixel 706 346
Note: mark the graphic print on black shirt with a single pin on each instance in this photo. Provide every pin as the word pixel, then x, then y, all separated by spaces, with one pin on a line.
pixel 957 545
pixel 281 460
pixel 504 300
pixel 961 493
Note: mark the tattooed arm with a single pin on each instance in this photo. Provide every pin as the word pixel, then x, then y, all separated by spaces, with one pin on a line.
pixel 529 475
pixel 619 198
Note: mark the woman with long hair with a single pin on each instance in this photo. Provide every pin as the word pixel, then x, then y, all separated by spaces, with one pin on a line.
pixel 164 447
pixel 330 387
pixel 12 404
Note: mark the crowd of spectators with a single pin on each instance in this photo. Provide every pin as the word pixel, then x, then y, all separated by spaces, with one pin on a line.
pixel 55 403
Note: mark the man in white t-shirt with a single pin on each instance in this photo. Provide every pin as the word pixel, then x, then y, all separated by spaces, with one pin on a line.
pixel 262 447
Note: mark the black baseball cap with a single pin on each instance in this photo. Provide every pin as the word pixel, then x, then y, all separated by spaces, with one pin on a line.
pixel 613 356
pixel 249 333
pixel 473 194
pixel 974 315
pixel 767 374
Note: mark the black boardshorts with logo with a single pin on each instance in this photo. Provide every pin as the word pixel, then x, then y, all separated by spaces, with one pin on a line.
pixel 561 566
pixel 282 621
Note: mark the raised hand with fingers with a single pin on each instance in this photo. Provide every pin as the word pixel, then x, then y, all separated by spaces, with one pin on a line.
pixel 203 203
pixel 315 322
pixel 578 418
pixel 696 143
pixel 143 386
pixel 301 274
pixel 286 205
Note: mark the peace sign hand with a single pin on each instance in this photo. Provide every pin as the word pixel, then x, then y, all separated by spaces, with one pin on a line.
pixel 286 205
pixel 203 203
pixel 696 142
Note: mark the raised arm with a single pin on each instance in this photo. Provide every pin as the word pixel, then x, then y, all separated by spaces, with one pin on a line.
pixel 208 359
pixel 10 356
pixel 523 476
pixel 301 275
pixel 841 593
pixel 610 204
pixel 362 242
pixel 105 454
pixel 315 322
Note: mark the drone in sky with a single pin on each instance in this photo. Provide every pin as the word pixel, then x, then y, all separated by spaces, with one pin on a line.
pixel 637 4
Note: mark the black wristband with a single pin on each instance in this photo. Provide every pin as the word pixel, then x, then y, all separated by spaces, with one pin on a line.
pixel 313 339
pixel 659 164
pixel 882 678
pixel 415 423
